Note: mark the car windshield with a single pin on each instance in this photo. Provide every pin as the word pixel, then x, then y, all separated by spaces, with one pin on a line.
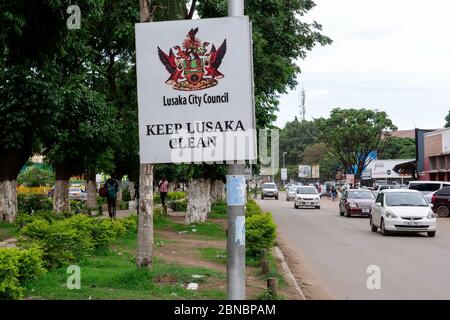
pixel 360 195
pixel 307 190
pixel 425 187
pixel 405 199
pixel 292 188
pixel 269 186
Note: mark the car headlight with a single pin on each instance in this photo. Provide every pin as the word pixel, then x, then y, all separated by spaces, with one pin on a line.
pixel 352 204
pixel 392 215
pixel 431 215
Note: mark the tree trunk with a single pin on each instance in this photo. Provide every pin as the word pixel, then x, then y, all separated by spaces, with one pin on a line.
pixel 132 203
pixel 8 200
pixel 199 201
pixel 91 189
pixel 217 190
pixel 10 166
pixel 61 196
pixel 119 193
pixel 145 224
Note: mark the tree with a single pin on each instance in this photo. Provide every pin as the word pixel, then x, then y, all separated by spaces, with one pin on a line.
pixel 351 135
pixel 295 137
pixel 28 97
pixel 447 120
pixel 34 177
pixel 399 148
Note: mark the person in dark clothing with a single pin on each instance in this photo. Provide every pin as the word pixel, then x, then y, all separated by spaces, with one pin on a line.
pixel 136 195
pixel 112 188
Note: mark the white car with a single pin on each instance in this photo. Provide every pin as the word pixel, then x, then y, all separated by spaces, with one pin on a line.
pixel 402 210
pixel 290 192
pixel 307 196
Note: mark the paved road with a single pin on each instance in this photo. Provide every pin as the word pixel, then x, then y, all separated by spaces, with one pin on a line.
pixel 340 250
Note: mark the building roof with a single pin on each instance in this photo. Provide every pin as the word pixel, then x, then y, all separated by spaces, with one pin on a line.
pixel 405 134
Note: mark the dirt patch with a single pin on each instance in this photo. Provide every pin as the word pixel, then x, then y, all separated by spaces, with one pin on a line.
pixel 305 276
pixel 183 249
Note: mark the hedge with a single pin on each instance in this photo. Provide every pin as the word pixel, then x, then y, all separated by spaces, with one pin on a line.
pixel 17 268
pixel 260 229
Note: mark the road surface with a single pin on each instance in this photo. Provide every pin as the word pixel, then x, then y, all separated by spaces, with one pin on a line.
pixel 339 250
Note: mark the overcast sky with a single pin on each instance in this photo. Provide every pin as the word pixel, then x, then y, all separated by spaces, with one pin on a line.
pixel 391 55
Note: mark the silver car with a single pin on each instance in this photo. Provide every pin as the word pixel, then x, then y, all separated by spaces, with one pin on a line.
pixel 269 190
pixel 290 192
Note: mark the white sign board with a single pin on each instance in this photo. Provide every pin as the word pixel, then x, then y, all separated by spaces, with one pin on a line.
pixel 304 171
pixel 284 174
pixel 315 172
pixel 195 97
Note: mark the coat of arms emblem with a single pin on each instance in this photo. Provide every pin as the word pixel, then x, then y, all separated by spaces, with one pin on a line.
pixel 193 66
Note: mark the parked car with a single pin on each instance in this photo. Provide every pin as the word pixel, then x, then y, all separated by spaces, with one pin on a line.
pixel 290 192
pixel 356 202
pixel 77 193
pixel 377 188
pixel 428 188
pixel 269 190
pixel 307 196
pixel 441 202
pixel 402 210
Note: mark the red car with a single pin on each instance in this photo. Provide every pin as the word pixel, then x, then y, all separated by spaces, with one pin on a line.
pixel 441 202
pixel 356 202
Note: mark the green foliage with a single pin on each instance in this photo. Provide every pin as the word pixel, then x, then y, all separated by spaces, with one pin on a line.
pixel 176 195
pixel 34 177
pixel 352 134
pixel 179 206
pixel 399 148
pixel 295 137
pixel 280 38
pixel 68 240
pixel 126 196
pixel 260 233
pixel 34 202
pixel 218 210
pixel 17 268
pixel 252 208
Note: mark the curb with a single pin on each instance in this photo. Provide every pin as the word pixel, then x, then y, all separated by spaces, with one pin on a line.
pixel 288 271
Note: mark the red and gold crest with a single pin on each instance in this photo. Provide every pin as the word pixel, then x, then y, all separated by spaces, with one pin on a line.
pixel 193 66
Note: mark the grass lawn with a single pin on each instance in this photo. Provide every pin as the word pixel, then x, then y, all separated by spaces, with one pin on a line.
pixel 114 275
pixel 208 230
pixel 7 230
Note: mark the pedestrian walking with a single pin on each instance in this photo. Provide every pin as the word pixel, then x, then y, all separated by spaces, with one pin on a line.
pixel 333 193
pixel 163 186
pixel 112 188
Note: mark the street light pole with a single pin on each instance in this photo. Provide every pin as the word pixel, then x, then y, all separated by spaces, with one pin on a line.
pixel 236 213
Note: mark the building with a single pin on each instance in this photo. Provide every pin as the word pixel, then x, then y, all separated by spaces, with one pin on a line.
pixel 383 170
pixel 436 153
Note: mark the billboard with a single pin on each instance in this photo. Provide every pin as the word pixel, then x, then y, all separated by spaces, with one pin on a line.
pixel 304 171
pixel 315 172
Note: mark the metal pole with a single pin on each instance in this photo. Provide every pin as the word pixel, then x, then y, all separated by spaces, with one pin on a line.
pixel 235 251
pixel 284 181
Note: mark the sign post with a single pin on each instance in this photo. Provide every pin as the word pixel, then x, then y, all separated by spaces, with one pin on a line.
pixel 236 211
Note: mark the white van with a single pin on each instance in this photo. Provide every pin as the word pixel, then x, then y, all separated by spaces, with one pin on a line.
pixel 428 188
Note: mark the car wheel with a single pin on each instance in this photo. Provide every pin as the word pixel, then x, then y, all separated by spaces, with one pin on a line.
pixel 347 214
pixel 341 213
pixel 295 206
pixel 318 207
pixel 276 198
pixel 443 211
pixel 373 227
pixel 383 230
pixel 431 234
pixel 262 197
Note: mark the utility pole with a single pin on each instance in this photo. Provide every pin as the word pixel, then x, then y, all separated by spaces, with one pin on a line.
pixel 145 222
pixel 236 213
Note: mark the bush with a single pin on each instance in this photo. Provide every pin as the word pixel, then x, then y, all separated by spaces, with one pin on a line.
pixel 23 219
pixel 35 177
pixel 260 233
pixel 179 206
pixel 17 268
pixel 124 205
pixel 126 196
pixel 34 202
pixel 252 208
pixel 176 195
pixel 67 240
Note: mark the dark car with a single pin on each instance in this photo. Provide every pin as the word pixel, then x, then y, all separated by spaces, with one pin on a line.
pixel 356 202
pixel 441 202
